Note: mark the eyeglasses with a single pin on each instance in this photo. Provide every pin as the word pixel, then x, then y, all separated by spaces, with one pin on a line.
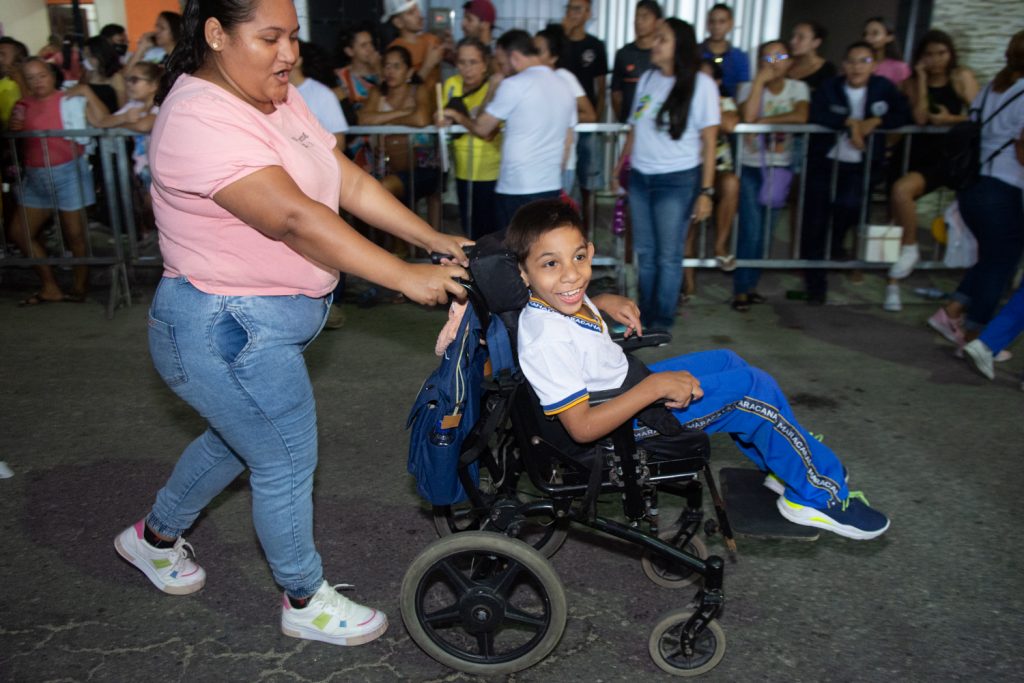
pixel 862 60
pixel 135 79
pixel 775 59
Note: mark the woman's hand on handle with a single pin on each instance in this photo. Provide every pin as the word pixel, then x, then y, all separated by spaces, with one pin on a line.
pixel 432 285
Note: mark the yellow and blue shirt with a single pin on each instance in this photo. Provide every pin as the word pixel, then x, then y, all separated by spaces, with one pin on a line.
pixel 486 154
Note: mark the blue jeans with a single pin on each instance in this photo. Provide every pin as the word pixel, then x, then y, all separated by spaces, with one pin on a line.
pixel 506 205
pixel 746 403
pixel 661 205
pixel 994 212
pixel 238 361
pixel 752 235
pixel 1007 325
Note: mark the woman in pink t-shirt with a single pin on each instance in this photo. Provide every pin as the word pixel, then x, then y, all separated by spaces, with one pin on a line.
pixel 881 36
pixel 246 191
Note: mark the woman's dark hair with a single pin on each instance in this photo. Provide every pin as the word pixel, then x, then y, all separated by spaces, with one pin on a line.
pixel 347 38
pixel 406 58
pixel 485 52
pixel 535 219
pixel 55 71
pixel 174 21
pixel 519 41
pixel 892 50
pixel 686 64
pixel 1014 68
pixel 316 64
pixel 554 36
pixel 19 47
pixel 819 31
pixel 108 62
pixel 191 50
pixel 111 30
pixel 936 37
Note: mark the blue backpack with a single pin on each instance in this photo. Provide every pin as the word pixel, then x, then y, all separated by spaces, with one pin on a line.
pixel 447 409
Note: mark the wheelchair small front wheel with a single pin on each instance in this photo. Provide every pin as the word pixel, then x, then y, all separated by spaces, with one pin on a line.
pixel 483 603
pixel 670 574
pixel 673 654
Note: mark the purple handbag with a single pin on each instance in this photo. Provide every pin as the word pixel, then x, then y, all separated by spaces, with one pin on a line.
pixel 775 182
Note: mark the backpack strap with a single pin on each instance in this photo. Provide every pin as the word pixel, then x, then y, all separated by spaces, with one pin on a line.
pixel 1004 105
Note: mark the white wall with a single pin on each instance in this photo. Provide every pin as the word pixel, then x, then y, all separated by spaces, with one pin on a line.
pixel 109 12
pixel 27 21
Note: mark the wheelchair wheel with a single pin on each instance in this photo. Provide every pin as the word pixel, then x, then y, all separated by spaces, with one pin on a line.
pixel 670 574
pixel 483 603
pixel 543 532
pixel 670 653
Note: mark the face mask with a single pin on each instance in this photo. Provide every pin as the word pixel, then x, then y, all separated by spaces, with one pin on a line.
pixel 121 49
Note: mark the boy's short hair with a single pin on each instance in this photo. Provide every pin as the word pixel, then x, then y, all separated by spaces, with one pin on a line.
pixel 535 219
pixel 650 6
pixel 519 41
pixel 858 45
pixel 721 6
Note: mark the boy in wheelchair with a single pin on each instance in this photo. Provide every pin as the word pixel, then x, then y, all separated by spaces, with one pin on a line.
pixel 566 353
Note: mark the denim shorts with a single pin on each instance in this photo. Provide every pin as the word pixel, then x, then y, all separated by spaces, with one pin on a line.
pixel 70 189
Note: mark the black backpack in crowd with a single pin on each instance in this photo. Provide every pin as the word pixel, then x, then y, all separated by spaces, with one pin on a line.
pixel 962 146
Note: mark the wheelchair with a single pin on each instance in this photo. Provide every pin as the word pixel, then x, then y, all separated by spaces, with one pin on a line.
pixel 484 598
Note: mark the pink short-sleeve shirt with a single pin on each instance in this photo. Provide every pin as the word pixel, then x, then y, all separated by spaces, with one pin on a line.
pixel 205 139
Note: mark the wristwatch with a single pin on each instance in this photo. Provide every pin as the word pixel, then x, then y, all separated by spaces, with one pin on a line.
pixel 707 191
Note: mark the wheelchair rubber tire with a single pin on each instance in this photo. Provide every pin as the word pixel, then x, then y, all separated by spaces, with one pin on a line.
pixel 655 570
pixel 547 544
pixel 711 645
pixel 486 546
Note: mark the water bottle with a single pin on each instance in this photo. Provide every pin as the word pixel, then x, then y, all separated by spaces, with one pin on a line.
pixel 439 436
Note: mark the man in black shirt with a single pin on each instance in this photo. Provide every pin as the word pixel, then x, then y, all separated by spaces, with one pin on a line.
pixel 633 60
pixel 586 57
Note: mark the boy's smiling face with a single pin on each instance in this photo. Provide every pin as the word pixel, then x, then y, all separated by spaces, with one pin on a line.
pixel 557 269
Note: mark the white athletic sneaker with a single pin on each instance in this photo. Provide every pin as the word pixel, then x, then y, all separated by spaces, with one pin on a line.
pixel 5 471
pixel 892 299
pixel 904 266
pixel 330 617
pixel 172 570
pixel 979 357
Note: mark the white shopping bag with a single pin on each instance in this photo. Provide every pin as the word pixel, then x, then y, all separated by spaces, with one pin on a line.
pixel 961 245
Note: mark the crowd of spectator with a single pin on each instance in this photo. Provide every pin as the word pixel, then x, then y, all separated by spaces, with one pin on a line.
pixel 520 97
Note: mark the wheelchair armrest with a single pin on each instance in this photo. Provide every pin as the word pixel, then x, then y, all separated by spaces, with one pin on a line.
pixel 650 339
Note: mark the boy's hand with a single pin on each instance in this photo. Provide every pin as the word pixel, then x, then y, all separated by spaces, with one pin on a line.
pixel 621 310
pixel 678 388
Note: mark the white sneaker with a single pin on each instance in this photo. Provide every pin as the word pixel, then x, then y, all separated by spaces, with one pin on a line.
pixel 330 617
pixel 979 357
pixel 904 266
pixel 5 471
pixel 892 299
pixel 172 570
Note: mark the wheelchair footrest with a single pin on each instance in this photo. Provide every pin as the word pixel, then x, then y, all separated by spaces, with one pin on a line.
pixel 752 510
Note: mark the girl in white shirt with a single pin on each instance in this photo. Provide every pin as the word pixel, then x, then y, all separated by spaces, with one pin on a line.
pixel 672 152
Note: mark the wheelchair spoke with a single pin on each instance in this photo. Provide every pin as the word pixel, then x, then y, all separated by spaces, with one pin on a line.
pixel 520 617
pixel 504 584
pixel 459 581
pixel 446 616
pixel 485 641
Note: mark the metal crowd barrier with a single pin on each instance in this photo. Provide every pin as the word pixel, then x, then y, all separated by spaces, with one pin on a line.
pixel 128 252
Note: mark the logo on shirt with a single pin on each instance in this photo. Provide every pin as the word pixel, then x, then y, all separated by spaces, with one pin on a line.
pixel 642 106
pixel 630 67
pixel 303 139
pixel 588 57
pixel 879 108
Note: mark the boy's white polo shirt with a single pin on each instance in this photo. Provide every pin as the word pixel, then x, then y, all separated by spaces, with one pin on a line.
pixel 565 357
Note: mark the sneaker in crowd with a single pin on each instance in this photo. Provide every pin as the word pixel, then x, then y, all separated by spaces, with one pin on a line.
pixel 172 570
pixel 855 518
pixel 5 471
pixel 980 357
pixel 892 299
pixel 777 486
pixel 904 265
pixel 330 617
pixel 950 328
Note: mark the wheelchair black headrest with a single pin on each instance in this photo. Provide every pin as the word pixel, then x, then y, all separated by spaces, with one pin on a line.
pixel 495 272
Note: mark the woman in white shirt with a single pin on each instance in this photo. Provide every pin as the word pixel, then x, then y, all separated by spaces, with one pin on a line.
pixel 993 207
pixel 672 153
pixel 769 98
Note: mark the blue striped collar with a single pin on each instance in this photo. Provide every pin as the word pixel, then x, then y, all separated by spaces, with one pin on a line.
pixel 584 317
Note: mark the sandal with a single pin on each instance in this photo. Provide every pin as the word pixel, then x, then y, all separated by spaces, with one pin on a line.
pixel 37 299
pixel 727 263
pixel 740 303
